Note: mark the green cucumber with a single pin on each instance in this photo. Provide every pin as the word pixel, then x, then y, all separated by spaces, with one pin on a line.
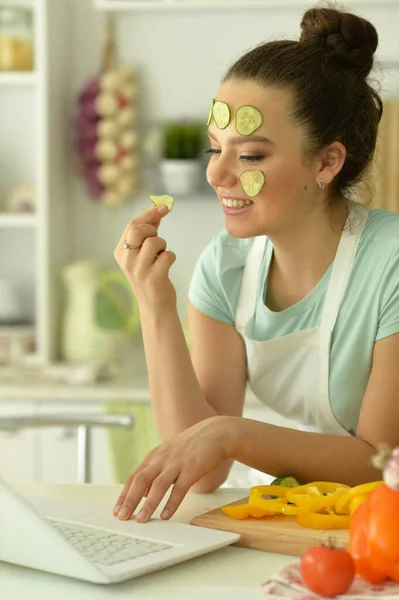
pixel 221 113
pixel 210 113
pixel 248 120
pixel 285 481
pixel 165 199
pixel 252 181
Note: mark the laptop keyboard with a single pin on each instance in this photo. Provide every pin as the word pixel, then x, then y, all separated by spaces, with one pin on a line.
pixel 106 548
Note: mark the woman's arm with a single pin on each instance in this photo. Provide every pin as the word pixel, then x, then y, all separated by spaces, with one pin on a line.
pixel 319 457
pixel 185 390
pixel 192 455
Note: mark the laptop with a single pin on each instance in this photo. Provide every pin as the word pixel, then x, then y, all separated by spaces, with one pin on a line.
pixel 79 540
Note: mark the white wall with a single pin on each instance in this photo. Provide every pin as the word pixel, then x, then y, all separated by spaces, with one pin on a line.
pixel 180 57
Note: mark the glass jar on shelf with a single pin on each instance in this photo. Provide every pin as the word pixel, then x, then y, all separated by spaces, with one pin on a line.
pixel 16 39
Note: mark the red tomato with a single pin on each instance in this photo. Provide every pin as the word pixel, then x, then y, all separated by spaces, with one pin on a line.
pixel 327 571
pixel 359 547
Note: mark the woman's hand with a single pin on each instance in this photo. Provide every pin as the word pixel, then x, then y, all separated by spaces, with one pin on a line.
pixel 181 462
pixel 145 261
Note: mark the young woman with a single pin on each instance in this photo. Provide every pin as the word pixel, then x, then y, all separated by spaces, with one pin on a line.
pixel 298 296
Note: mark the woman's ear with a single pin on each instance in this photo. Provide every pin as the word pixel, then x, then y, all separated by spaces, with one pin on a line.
pixel 332 159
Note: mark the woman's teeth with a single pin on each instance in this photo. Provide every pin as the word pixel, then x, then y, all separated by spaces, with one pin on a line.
pixel 236 203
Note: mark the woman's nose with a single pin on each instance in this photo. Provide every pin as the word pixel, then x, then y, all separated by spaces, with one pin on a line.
pixel 220 174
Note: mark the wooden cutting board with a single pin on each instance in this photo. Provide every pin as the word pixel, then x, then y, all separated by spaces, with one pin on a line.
pixel 279 534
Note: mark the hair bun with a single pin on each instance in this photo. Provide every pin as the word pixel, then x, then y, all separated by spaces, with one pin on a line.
pixel 347 36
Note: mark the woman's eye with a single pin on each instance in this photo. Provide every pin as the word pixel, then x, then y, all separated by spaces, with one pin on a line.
pixel 252 158
pixel 212 151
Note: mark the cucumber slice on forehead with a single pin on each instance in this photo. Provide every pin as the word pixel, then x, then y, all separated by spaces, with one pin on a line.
pixel 210 113
pixel 252 182
pixel 165 199
pixel 221 113
pixel 248 120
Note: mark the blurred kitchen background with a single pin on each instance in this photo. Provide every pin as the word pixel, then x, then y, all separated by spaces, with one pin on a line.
pixel 103 102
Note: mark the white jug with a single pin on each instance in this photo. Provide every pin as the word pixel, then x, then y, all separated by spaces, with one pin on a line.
pixel 98 321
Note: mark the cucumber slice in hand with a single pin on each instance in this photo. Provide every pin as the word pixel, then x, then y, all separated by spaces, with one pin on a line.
pixel 165 199
pixel 221 113
pixel 210 113
pixel 252 182
pixel 248 120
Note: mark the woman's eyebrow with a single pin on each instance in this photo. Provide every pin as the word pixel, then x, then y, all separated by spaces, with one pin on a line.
pixel 245 138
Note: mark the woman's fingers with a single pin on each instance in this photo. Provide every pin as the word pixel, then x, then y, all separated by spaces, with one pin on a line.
pixel 149 250
pixel 152 216
pixel 139 484
pixel 180 489
pixel 158 490
pixel 137 234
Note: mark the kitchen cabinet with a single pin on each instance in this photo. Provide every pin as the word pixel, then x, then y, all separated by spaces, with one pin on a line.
pixel 58 447
pixel 32 153
pixel 19 450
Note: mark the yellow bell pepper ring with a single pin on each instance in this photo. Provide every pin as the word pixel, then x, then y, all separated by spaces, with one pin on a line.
pixel 314 520
pixel 269 490
pixel 244 511
pixel 327 487
pixel 357 501
pixel 277 505
pixel 316 495
pixel 341 506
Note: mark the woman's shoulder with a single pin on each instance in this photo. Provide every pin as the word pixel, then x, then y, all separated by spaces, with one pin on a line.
pixel 382 226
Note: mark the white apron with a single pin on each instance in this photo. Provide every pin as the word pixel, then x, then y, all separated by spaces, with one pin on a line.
pixel 290 374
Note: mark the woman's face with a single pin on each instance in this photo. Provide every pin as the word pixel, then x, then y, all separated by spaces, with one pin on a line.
pixel 276 148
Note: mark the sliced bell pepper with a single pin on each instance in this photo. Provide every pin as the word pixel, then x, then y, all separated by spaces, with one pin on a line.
pixel 341 506
pixel 278 505
pixel 244 511
pixel 317 495
pixel 269 490
pixel 315 520
pixel 328 487
pixel 357 501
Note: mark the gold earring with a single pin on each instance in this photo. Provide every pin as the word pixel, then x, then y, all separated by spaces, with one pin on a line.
pixel 322 184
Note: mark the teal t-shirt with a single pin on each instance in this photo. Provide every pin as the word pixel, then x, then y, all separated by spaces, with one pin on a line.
pixel 369 310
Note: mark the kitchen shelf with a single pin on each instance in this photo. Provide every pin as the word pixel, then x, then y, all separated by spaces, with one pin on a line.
pixel 186 5
pixel 17 4
pixel 17 220
pixel 15 78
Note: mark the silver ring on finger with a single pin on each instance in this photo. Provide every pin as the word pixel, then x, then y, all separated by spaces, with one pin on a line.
pixel 127 246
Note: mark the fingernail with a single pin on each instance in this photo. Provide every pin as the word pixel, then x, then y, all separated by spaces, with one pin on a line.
pixel 142 516
pixel 122 514
pixel 117 508
pixel 163 209
pixel 165 514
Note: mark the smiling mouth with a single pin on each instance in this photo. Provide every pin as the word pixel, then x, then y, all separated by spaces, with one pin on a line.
pixel 236 203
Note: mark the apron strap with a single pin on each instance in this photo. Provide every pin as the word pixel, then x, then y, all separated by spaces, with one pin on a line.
pixel 249 286
pixel 342 266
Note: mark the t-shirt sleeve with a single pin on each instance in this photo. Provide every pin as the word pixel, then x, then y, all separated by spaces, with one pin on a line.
pixel 388 323
pixel 206 291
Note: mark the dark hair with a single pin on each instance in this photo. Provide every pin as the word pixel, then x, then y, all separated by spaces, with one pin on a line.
pixel 326 71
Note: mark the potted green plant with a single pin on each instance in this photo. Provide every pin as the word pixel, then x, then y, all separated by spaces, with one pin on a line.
pixel 181 165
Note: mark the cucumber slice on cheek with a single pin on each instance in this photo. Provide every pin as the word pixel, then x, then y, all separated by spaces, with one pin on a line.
pixel 248 120
pixel 221 113
pixel 165 199
pixel 252 182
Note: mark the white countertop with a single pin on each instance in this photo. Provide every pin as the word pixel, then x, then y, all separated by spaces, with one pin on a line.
pixel 130 384
pixel 231 573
